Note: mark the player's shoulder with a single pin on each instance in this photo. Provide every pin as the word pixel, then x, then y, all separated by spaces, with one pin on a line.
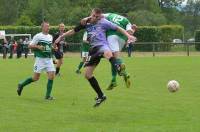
pixel 49 35
pixel 106 14
pixel 104 20
pixel 38 34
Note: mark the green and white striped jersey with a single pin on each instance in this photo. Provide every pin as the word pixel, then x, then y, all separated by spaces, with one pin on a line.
pixel 46 42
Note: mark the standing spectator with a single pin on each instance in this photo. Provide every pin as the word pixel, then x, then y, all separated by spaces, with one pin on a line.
pixel 129 49
pixel 5 48
pixel 14 46
pixel 25 47
pixel 11 49
pixel 19 48
pixel 129 46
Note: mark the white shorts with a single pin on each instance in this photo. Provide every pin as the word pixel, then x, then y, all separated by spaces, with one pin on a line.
pixel 43 64
pixel 84 54
pixel 115 43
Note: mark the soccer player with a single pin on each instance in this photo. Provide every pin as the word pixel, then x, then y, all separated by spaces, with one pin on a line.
pixel 42 47
pixel 116 42
pixel 84 52
pixel 96 29
pixel 59 51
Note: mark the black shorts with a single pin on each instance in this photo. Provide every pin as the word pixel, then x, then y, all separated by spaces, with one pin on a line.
pixel 94 56
pixel 58 55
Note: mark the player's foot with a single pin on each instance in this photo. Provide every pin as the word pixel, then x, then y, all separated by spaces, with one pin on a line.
pixel 49 98
pixel 78 71
pixel 112 85
pixel 122 71
pixel 99 100
pixel 19 89
pixel 127 80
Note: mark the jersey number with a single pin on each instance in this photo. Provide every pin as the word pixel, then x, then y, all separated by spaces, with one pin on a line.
pixel 47 48
pixel 117 19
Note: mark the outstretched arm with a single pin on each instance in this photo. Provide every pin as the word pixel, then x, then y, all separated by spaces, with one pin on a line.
pixel 70 33
pixel 130 37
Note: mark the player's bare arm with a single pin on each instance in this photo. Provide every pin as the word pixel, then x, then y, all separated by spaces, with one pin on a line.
pixel 130 37
pixel 40 47
pixel 68 33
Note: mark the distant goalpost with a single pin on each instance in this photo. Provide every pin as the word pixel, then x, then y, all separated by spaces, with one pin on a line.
pixel 12 36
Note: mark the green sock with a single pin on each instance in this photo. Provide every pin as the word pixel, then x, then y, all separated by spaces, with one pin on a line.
pixel 49 87
pixel 114 73
pixel 119 61
pixel 80 65
pixel 27 81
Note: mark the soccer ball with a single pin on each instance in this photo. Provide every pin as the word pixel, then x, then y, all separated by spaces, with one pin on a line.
pixel 173 86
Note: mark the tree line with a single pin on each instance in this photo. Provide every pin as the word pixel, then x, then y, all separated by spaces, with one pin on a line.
pixel 140 12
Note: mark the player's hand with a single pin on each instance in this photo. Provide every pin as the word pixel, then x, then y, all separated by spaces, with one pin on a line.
pixel 40 47
pixel 131 39
pixel 55 48
pixel 85 20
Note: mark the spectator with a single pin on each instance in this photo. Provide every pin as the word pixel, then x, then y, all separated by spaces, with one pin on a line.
pixel 14 46
pixel 19 48
pixel 11 48
pixel 129 49
pixel 129 46
pixel 5 48
pixel 25 47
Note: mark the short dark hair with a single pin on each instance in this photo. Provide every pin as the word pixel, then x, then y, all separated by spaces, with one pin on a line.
pixel 61 24
pixel 44 23
pixel 97 10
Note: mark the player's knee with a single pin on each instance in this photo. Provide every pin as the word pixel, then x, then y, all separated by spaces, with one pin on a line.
pixel 88 75
pixel 61 62
pixel 51 78
pixel 108 54
pixel 36 78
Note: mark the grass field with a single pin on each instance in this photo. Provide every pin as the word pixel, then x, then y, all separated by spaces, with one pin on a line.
pixel 146 107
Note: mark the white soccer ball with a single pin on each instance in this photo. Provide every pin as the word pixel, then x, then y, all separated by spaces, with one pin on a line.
pixel 173 86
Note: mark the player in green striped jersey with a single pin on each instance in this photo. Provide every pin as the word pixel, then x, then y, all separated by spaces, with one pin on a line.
pixel 42 47
pixel 116 42
pixel 84 52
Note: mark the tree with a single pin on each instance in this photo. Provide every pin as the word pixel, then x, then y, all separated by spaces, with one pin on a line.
pixel 169 3
pixel 8 12
pixel 24 21
pixel 143 17
pixel 192 15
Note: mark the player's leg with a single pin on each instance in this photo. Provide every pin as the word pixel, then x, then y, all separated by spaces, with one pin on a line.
pixel 119 67
pixel 95 85
pixel 27 81
pixel 58 65
pixel 51 75
pixel 90 65
pixel 38 66
pixel 125 75
pixel 59 58
pixel 83 56
pixel 114 46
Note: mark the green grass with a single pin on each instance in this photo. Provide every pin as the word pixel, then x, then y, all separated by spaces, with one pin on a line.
pixel 146 107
